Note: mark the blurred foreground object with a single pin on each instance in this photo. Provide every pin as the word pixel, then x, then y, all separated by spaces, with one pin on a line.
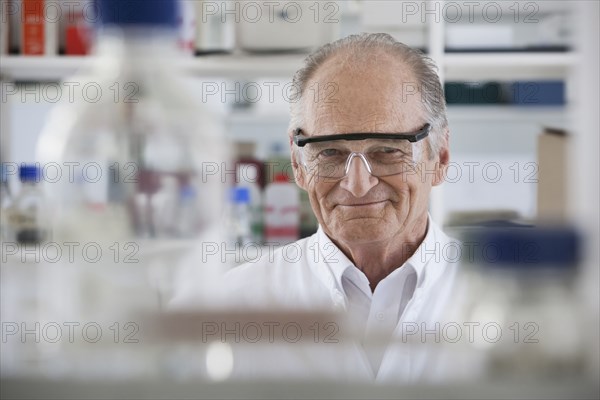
pixel 141 150
pixel 518 289
pixel 136 186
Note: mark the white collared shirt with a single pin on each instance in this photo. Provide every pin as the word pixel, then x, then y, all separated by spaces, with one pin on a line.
pixel 314 274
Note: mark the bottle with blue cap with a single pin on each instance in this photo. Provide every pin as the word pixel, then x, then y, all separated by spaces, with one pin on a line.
pixel 240 217
pixel 131 133
pixel 28 215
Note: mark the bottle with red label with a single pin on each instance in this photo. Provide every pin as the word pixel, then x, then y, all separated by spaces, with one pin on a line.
pixel 39 26
pixel 282 211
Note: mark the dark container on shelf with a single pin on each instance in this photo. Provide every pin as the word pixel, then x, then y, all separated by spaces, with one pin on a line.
pixel 474 93
pixel 538 93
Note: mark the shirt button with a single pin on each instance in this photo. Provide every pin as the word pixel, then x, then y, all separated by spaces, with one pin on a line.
pixel 338 298
pixel 380 316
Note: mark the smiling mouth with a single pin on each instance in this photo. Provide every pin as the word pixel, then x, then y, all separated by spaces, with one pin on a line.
pixel 372 203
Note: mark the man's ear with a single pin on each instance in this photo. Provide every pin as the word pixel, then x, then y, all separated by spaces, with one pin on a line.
pixel 299 173
pixel 443 159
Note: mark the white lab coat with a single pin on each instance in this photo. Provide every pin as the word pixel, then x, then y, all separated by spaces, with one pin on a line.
pixel 300 276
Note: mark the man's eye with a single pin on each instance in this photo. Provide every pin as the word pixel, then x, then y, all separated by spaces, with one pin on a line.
pixel 330 153
pixel 389 150
pixel 391 154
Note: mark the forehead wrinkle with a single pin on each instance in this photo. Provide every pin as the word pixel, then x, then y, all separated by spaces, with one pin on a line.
pixel 362 100
pixel 348 118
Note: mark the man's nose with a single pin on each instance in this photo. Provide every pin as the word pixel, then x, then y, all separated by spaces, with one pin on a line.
pixel 358 180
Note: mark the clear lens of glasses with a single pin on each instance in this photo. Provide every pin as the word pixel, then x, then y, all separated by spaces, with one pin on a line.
pixel 330 160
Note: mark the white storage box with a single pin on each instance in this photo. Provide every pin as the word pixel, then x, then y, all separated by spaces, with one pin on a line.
pixel 488 36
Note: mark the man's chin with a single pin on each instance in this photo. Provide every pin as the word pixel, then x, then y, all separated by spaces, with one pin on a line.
pixel 362 230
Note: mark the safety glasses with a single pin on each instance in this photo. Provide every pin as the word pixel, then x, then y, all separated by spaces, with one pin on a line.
pixel 330 156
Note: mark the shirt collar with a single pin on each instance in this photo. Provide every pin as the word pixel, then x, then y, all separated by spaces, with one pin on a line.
pixel 422 255
pixel 430 251
pixel 330 263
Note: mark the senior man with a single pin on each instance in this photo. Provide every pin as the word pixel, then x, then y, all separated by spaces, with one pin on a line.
pixel 369 139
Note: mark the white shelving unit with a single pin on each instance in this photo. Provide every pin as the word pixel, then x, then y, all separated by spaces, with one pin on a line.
pixel 497 66
pixel 453 66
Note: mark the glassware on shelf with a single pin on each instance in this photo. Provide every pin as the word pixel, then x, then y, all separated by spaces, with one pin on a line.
pixel 27 216
pixel 240 217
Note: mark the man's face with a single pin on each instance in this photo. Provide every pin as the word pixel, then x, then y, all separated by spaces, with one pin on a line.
pixel 379 97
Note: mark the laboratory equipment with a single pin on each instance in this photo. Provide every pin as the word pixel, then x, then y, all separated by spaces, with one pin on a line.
pixel 283 26
pixel 128 145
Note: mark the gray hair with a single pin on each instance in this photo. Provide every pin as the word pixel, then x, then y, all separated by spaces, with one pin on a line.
pixel 422 67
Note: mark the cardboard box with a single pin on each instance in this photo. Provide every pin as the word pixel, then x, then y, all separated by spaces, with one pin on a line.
pixel 552 193
pixel 4 22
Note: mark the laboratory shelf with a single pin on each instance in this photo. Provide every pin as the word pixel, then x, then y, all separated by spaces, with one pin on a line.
pixel 518 65
pixel 40 68
pixel 482 113
pixel 238 66
pixel 244 66
pixel 509 59
pixel 247 66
